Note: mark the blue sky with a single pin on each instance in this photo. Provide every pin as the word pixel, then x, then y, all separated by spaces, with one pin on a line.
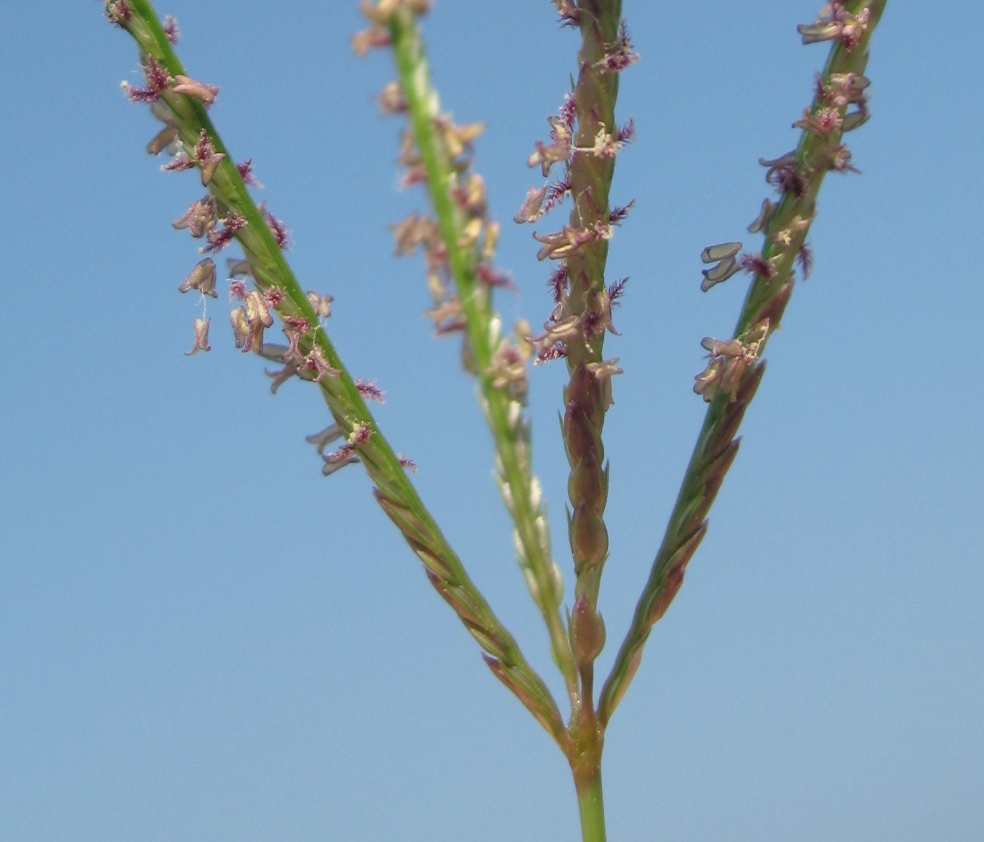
pixel 203 638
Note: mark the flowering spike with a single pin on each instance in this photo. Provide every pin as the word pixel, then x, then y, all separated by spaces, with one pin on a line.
pixel 310 352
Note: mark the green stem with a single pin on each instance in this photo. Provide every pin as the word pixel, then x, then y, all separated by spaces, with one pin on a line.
pixel 586 397
pixel 584 754
pixel 591 804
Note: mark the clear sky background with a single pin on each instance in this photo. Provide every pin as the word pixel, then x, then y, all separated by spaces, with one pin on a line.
pixel 201 638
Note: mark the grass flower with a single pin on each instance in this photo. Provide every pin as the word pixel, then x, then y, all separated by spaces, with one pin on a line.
pixel 457 238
